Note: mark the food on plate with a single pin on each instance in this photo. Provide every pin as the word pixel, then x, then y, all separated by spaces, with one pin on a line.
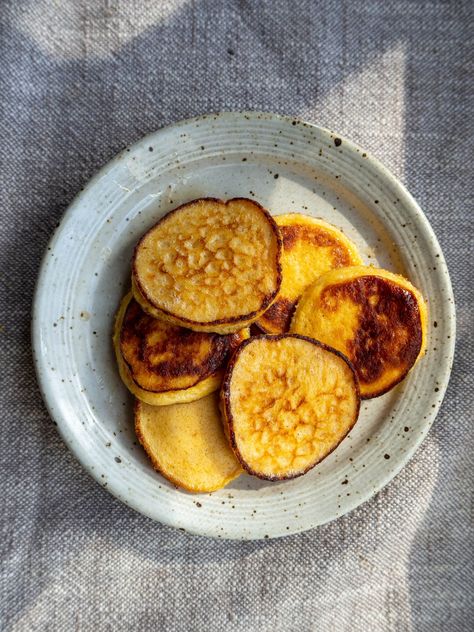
pixel 206 279
pixel 209 265
pixel 186 443
pixel 376 318
pixel 310 248
pixel 163 364
pixel 288 401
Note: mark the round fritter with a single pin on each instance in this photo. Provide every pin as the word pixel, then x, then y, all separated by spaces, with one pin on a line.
pixel 288 401
pixel 164 364
pixel 311 247
pixel 376 318
pixel 186 443
pixel 209 265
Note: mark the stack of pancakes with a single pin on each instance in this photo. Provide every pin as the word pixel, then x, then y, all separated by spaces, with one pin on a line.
pixel 328 332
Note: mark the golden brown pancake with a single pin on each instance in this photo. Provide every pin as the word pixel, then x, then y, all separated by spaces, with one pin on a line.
pixel 186 443
pixel 288 401
pixel 311 247
pixel 164 364
pixel 376 318
pixel 209 265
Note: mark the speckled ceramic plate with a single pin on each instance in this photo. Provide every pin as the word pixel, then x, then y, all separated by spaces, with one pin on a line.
pixel 286 165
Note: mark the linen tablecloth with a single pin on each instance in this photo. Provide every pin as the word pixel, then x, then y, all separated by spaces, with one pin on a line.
pixel 79 80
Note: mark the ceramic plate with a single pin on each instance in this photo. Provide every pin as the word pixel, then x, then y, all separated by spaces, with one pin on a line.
pixel 286 165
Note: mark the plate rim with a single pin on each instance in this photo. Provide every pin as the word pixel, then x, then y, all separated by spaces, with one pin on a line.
pixel 47 393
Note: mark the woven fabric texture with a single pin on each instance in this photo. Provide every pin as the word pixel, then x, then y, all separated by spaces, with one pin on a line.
pixel 79 80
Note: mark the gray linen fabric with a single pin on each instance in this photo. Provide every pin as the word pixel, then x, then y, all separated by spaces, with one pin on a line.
pixel 79 79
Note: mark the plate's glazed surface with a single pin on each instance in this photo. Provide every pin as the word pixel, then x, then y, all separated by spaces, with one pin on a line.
pixel 286 165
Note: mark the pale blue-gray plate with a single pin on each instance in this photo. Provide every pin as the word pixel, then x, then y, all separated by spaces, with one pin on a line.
pixel 286 165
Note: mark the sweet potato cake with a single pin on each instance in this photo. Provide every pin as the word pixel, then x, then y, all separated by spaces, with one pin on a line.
pixel 288 401
pixel 310 248
pixel 186 443
pixel 376 318
pixel 209 265
pixel 165 364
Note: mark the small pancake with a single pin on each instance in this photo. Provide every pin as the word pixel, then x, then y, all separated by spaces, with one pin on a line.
pixel 288 401
pixel 209 265
pixel 186 443
pixel 376 318
pixel 311 247
pixel 164 364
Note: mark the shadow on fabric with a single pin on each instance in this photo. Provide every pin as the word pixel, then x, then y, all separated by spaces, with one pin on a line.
pixel 66 116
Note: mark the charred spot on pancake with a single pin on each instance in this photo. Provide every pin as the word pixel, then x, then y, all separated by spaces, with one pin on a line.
pixel 279 314
pixel 255 329
pixel 389 331
pixel 375 317
pixel 232 341
pixel 158 353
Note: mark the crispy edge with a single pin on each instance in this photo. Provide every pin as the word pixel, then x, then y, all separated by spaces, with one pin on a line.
pixel 290 219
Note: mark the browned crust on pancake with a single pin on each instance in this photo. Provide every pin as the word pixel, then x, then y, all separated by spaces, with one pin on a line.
pixel 389 331
pixel 279 313
pixel 255 330
pixel 226 408
pixel 313 235
pixel 244 318
pixel 180 346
